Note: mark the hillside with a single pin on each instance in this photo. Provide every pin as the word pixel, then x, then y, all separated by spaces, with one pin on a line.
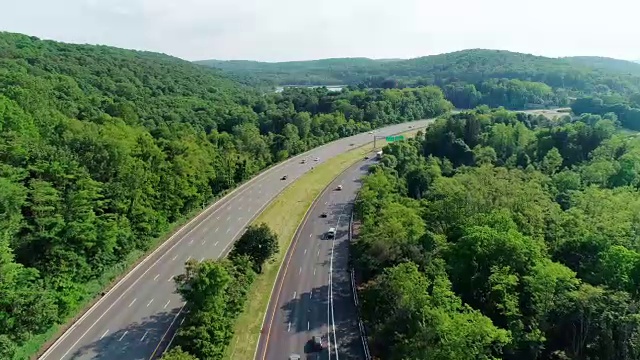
pixel 582 75
pixel 104 150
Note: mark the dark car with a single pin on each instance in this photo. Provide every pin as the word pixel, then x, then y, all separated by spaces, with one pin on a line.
pixel 284 177
pixel 316 343
pixel 323 215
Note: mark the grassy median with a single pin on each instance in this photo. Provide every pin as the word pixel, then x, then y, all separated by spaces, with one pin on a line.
pixel 283 216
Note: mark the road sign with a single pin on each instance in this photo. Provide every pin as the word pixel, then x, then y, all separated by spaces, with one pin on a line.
pixel 394 138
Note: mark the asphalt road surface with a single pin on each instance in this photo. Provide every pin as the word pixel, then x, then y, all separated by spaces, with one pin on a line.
pixel 138 316
pixel 313 294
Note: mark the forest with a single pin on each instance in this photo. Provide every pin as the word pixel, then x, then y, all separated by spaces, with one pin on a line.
pixel 480 76
pixel 103 150
pixel 495 235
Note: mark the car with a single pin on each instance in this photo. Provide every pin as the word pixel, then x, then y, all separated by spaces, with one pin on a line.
pixel 323 215
pixel 366 158
pixel 339 187
pixel 284 177
pixel 304 161
pixel 331 233
pixel 370 132
pixel 351 144
pixel 316 342
pixel 317 159
pixel 294 357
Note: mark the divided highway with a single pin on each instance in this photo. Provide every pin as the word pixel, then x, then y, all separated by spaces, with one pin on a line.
pixel 135 319
pixel 313 294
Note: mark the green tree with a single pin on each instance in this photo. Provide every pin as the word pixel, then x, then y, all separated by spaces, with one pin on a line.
pixel 259 243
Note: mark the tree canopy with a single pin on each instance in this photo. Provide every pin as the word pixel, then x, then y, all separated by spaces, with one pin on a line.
pixel 503 235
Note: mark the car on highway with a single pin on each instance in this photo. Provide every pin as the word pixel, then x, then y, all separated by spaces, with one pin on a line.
pixel 323 215
pixel 316 343
pixel 294 357
pixel 284 177
pixel 366 157
pixel 331 233
pixel 304 161
pixel 339 187
pixel 317 159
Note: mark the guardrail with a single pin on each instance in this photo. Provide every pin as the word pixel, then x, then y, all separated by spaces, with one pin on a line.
pixel 363 332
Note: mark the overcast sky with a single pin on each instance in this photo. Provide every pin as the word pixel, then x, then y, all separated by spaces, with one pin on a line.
pixel 278 30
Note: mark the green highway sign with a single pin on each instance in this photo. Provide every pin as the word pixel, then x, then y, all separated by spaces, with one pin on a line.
pixel 394 138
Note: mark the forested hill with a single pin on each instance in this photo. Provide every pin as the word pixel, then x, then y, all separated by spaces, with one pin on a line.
pixel 583 75
pixel 103 149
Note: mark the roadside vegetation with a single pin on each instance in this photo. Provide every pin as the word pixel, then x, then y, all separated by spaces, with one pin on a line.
pixel 496 235
pixel 103 151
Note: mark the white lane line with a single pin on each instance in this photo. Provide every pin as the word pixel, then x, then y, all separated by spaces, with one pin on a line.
pixel 149 302
pixel 228 230
pixel 191 242
pixel 294 294
pixel 134 300
pixel 228 217
pixel 189 258
pixel 103 335
pixel 167 304
pixel 308 326
pixel 240 219
pixel 156 278
pixel 300 271
pixel 121 337
pixel 318 252
pixel 218 218
pixel 144 336
pixel 289 327
pixel 174 257
pixel 239 207
pixel 217 229
pixel 314 271
pixel 305 251
pixel 170 278
pixel 310 235
pixel 204 241
pixel 216 244
pixel 201 259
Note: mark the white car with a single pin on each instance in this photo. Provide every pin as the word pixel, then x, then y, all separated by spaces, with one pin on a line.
pixel 339 187
pixel 317 159
pixel 294 357
pixel 331 233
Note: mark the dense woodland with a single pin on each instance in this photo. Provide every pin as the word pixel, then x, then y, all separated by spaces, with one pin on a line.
pixel 474 77
pixel 497 235
pixel 102 149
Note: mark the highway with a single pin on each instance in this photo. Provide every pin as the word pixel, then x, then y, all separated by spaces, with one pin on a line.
pixel 135 319
pixel 313 294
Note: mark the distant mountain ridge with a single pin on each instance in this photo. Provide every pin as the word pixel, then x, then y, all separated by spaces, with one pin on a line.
pixel 583 73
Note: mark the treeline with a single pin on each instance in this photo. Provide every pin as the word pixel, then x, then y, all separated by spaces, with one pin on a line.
pixel 215 292
pixel 627 111
pixel 581 75
pixel 102 149
pixel 496 235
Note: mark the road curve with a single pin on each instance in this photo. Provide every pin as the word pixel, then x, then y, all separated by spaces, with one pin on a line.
pixel 134 319
pixel 313 294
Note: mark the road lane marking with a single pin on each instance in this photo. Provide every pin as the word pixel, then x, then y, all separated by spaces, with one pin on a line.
pixel 240 218
pixel 156 278
pixel 239 207
pixel 167 304
pixel 217 229
pixel 228 230
pixel 202 259
pixel 305 251
pixel 308 326
pixel 314 271
pixel 294 294
pixel 228 217
pixel 189 258
pixel 190 242
pixel 300 270
pixel 204 241
pixel 149 302
pixel 170 278
pixel 121 337
pixel 289 327
pixel 218 218
pixel 103 335
pixel 174 257
pixel 318 252
pixel 144 336
pixel 216 244
pixel 310 235
pixel 134 300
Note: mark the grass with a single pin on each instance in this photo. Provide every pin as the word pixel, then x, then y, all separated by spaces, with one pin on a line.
pixel 283 216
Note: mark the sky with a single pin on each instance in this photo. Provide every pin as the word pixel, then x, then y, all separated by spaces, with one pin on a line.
pixel 283 30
